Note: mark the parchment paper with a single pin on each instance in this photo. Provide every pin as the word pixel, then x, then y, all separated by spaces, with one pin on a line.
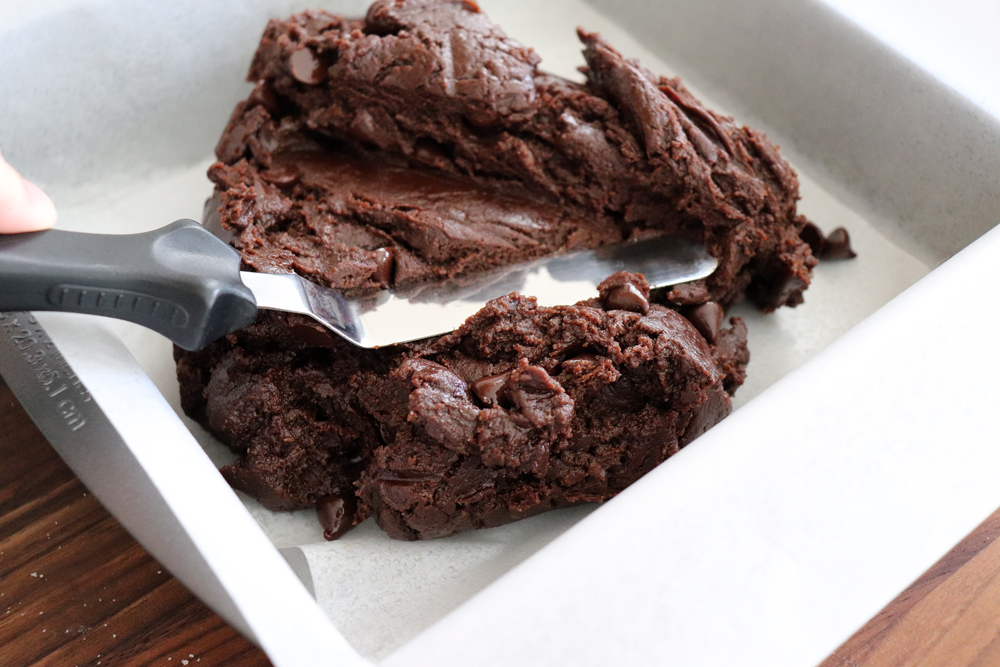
pixel 380 593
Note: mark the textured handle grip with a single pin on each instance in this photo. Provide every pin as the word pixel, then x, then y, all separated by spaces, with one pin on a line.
pixel 180 280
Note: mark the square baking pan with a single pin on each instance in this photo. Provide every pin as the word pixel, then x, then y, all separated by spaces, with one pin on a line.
pixel 859 451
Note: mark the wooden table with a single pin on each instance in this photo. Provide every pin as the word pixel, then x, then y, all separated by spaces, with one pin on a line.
pixel 949 617
pixel 76 589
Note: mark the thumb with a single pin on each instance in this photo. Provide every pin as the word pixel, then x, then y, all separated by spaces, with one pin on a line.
pixel 23 206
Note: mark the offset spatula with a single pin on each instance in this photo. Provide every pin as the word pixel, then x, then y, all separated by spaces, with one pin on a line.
pixel 186 284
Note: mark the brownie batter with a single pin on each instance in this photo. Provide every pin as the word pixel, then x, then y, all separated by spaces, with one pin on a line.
pixel 329 167
pixel 522 410
pixel 422 144
pixel 394 225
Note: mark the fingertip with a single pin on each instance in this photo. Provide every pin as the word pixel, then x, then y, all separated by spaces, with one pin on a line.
pixel 42 211
pixel 23 205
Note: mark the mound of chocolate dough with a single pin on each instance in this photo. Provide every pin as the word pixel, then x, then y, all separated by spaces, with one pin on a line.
pixel 419 144
pixel 522 410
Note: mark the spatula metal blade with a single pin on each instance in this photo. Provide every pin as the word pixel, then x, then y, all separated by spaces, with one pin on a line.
pixel 400 316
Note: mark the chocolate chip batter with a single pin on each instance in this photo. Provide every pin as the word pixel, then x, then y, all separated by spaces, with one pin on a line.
pixel 522 410
pixel 420 143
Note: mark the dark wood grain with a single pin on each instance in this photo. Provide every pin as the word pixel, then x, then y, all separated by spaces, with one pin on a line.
pixel 75 588
pixel 950 616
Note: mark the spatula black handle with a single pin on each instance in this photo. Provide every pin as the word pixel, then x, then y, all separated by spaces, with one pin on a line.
pixel 180 281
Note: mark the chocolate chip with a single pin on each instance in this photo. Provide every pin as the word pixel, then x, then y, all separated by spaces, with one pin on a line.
pixel 838 245
pixel 490 388
pixel 336 515
pixel 306 67
pixel 620 396
pixel 626 297
pixel 281 176
pixel 529 378
pixel 812 235
pixel 315 335
pixel 707 319
pixel 384 264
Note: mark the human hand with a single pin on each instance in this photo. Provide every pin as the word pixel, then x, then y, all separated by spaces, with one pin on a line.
pixel 23 206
